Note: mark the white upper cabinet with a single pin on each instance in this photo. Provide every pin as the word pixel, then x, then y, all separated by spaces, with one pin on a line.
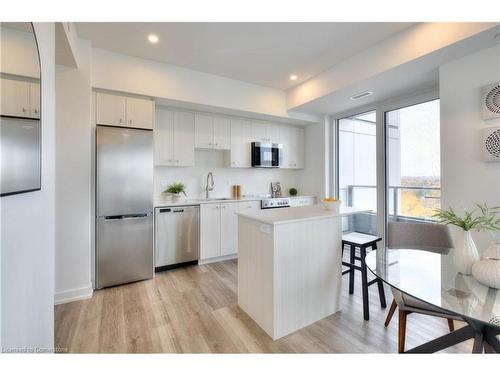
pixel 274 133
pixel 265 132
pixel 212 132
pixel 203 131
pixel 34 100
pixel 15 98
pixel 241 137
pixel 293 147
pixel 111 109
pixel 164 137
pixel 183 139
pixel 259 132
pixel 20 98
pixel 174 138
pixel 222 133
pixel 118 110
pixel 140 113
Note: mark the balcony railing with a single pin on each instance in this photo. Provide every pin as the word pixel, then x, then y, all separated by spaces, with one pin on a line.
pixel 406 203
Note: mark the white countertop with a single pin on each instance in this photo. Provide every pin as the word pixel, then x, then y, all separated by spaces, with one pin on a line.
pixel 295 214
pixel 165 201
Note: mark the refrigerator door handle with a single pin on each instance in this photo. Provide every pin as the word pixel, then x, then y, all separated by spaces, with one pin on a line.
pixel 125 217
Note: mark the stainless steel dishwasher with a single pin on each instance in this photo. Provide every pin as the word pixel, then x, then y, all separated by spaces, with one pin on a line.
pixel 177 236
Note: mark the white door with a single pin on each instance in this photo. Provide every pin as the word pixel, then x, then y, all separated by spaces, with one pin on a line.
pixel 164 137
pixel 110 109
pixel 203 131
pixel 229 228
pixel 241 138
pixel 209 230
pixel 183 139
pixel 15 96
pixel 140 113
pixel 34 100
pixel 259 132
pixel 222 133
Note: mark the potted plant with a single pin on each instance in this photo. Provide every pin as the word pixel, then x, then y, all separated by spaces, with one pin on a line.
pixel 481 218
pixel 175 189
pixel 293 192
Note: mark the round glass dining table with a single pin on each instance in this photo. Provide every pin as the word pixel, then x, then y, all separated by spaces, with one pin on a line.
pixel 432 278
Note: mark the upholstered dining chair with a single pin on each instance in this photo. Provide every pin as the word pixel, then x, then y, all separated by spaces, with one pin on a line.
pixel 422 236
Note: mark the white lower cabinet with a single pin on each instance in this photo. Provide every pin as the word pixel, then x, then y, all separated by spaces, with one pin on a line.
pixel 219 227
pixel 210 232
pixel 228 228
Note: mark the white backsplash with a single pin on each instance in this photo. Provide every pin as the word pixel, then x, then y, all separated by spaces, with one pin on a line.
pixel 253 181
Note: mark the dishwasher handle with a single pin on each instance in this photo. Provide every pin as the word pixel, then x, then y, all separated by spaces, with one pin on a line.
pixel 171 210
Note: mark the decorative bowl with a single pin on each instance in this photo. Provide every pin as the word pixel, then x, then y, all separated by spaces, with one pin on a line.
pixel 331 205
pixel 487 272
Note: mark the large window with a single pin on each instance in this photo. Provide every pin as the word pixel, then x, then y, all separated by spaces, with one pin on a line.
pixel 413 162
pixel 357 170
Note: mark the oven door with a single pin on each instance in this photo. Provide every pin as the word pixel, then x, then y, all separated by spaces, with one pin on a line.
pixel 266 155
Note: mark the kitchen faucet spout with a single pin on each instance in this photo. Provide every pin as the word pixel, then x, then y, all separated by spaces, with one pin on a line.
pixel 210 177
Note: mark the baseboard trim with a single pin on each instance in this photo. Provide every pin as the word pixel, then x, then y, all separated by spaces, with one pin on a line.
pixel 71 295
pixel 217 259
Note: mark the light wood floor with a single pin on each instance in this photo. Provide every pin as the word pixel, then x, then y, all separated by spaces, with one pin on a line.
pixel 194 310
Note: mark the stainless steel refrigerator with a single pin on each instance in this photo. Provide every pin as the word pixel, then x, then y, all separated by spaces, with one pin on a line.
pixel 124 199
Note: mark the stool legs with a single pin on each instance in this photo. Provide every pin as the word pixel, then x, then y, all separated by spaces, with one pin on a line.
pixel 380 285
pixel 364 284
pixel 352 260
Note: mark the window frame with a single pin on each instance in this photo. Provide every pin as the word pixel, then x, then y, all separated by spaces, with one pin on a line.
pixel 381 108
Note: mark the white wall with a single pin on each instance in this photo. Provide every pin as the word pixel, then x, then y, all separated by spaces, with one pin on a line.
pixel 466 179
pixel 253 181
pixel 19 55
pixel 73 178
pixel 27 233
pixel 119 72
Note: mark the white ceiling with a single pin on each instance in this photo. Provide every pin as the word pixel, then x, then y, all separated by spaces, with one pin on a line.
pixel 261 53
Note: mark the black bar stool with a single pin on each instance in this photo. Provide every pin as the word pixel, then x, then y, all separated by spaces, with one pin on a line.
pixel 362 241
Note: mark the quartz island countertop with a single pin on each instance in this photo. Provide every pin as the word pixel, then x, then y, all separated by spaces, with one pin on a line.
pixel 296 214
pixel 165 201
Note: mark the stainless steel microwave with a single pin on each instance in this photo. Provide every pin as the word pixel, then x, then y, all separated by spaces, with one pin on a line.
pixel 267 155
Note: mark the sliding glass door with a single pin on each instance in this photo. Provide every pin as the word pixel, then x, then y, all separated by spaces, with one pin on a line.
pixel 387 159
pixel 413 162
pixel 357 170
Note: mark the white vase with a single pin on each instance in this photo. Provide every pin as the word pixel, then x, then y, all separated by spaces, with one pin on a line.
pixel 466 255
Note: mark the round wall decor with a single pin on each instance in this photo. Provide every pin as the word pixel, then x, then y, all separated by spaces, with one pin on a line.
pixel 492 100
pixel 492 143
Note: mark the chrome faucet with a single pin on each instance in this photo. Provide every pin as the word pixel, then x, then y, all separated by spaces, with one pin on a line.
pixel 210 177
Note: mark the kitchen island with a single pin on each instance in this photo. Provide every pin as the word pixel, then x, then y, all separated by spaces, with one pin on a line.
pixel 289 266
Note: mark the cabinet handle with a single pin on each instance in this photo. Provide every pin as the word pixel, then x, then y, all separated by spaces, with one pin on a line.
pixel 24 110
pixel 130 121
pixel 170 160
pixel 177 161
pixel 36 110
pixel 120 121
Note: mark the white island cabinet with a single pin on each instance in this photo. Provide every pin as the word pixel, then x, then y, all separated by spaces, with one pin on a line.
pixel 289 266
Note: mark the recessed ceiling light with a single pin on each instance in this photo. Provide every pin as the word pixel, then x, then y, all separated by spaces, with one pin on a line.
pixel 153 38
pixel 361 95
pixel 293 77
